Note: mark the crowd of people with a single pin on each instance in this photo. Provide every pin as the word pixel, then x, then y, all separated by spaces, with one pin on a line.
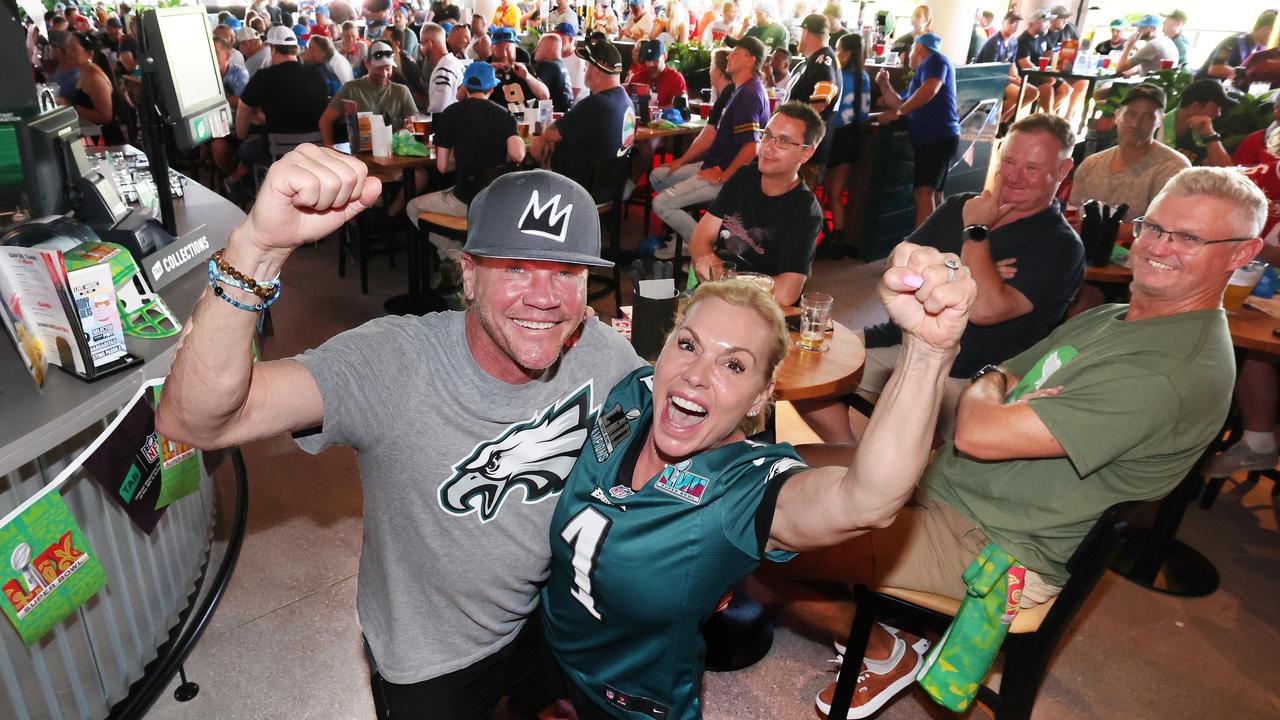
pixel 560 463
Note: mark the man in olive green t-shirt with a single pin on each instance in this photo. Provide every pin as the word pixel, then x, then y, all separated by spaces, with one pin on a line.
pixel 1116 404
pixel 375 93
pixel 768 31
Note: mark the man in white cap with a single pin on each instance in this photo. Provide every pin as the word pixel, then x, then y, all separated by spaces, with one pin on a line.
pixel 291 94
pixel 373 93
pixel 465 424
pixel 256 54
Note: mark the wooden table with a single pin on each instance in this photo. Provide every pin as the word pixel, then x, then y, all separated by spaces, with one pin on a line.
pixel 645 132
pixel 1109 273
pixel 807 375
pixel 1253 326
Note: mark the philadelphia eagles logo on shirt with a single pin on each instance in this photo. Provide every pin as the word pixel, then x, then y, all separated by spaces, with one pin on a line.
pixel 535 455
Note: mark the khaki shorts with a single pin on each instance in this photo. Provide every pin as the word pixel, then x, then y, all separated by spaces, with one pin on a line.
pixel 876 370
pixel 927 548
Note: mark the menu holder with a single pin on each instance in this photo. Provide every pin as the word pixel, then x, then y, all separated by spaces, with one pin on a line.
pixel 66 319
pixel 651 320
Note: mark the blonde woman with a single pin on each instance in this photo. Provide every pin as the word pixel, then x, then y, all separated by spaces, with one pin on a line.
pixel 670 505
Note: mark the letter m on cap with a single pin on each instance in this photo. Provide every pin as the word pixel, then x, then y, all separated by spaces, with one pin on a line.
pixel 547 220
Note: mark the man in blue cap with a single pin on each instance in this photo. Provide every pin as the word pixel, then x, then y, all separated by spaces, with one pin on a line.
pixel 1151 57
pixel 471 135
pixel 666 83
pixel 574 65
pixel 933 124
pixel 518 85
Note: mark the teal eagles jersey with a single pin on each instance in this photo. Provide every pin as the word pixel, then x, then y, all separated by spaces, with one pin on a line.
pixel 635 574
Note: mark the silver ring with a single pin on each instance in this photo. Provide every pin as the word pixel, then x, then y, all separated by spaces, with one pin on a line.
pixel 952 265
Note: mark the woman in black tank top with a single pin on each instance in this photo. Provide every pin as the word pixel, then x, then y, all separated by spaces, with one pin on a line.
pixel 92 98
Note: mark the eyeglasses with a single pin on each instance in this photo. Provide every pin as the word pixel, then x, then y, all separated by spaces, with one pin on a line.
pixel 381 55
pixel 782 143
pixel 1181 241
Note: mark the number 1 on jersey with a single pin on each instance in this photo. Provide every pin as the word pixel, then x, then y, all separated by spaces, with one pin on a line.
pixel 585 533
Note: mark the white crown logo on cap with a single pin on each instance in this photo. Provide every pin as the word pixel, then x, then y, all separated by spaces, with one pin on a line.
pixel 546 220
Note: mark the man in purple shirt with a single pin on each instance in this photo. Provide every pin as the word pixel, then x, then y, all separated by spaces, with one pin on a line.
pixel 718 152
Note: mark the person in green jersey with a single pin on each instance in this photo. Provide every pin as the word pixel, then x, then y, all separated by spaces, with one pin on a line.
pixel 670 505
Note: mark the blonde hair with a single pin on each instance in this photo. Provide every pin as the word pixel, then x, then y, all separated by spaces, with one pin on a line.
pixel 1224 183
pixel 747 294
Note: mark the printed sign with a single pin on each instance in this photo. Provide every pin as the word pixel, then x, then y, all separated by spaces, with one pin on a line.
pixel 47 569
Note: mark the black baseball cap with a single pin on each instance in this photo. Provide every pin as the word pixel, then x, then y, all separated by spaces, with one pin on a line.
pixel 535 215
pixel 1207 90
pixel 755 47
pixel 1145 92
pixel 816 24
pixel 598 51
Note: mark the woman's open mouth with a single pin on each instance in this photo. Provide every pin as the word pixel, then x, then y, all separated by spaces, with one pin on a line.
pixel 683 413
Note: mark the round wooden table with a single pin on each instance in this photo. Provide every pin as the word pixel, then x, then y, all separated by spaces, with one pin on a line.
pixel 1253 326
pixel 807 375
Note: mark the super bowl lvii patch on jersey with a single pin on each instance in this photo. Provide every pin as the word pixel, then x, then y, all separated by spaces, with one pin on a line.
pixel 678 481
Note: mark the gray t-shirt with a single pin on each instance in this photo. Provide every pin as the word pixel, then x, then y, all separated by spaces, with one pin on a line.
pixel 460 474
pixel 1156 50
pixel 1137 185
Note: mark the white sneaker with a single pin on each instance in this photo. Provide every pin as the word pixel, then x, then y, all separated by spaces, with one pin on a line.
pixel 1239 458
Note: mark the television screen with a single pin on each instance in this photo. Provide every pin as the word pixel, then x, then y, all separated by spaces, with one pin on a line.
pixel 192 65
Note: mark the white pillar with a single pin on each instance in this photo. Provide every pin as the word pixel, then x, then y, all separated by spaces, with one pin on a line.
pixel 953 22
pixel 483 7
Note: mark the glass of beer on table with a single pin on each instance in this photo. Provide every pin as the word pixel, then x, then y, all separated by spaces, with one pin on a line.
pixel 1242 282
pixel 815 313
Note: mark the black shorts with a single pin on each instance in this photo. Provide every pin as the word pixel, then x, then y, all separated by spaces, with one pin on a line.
pixel 470 693
pixel 846 145
pixel 933 160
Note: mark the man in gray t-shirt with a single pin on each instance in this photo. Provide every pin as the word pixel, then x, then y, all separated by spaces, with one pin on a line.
pixel 1137 167
pixel 465 424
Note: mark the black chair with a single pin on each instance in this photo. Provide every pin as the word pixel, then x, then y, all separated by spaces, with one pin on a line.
pixel 606 183
pixel 1032 637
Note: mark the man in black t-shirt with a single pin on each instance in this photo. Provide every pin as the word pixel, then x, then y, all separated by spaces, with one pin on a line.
pixel 550 70
pixel 816 82
pixel 516 85
pixel 293 95
pixel 1016 224
pixel 1032 46
pixel 766 219
pixel 444 11
pixel 601 126
pixel 471 136
pixel 120 48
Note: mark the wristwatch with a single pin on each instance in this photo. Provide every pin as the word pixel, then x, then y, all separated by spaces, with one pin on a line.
pixel 977 233
pixel 987 369
pixel 1216 137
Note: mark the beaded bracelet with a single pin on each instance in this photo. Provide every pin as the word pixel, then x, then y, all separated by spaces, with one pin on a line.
pixel 263 290
pixel 216 277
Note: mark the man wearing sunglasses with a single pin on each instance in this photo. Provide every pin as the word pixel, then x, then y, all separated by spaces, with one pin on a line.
pixel 1116 404
pixel 766 219
pixel 375 93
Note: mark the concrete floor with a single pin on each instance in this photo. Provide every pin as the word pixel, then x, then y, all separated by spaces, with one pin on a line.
pixel 285 642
